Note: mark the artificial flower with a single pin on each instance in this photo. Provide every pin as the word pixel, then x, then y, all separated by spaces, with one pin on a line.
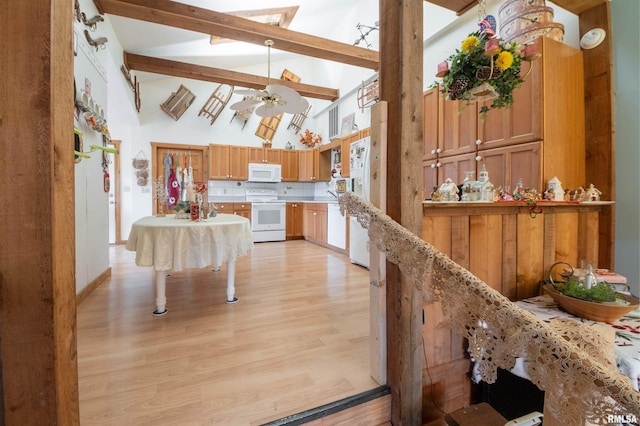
pixel 469 43
pixel 505 59
pixel 310 139
pixel 471 68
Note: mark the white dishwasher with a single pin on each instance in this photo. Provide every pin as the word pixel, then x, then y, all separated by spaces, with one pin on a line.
pixel 336 227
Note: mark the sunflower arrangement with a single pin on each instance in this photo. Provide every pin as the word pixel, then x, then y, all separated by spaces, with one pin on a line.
pixel 484 68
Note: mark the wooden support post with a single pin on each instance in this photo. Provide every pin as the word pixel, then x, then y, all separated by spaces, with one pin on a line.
pixel 37 221
pixel 401 87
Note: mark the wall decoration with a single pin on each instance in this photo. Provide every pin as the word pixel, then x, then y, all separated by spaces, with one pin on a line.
pixel 243 115
pixel 348 124
pixel 134 85
pixel 368 94
pixel 141 164
pixel 216 102
pixel 100 42
pixel 91 22
pixel 178 102
pixel 298 120
pixel 77 145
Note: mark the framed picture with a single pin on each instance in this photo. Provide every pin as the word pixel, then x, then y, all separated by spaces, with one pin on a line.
pixel 347 124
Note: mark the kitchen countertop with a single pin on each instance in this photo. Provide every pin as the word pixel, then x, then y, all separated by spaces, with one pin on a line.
pixel 328 200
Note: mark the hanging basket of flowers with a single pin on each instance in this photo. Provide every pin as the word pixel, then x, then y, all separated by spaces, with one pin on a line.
pixel 485 68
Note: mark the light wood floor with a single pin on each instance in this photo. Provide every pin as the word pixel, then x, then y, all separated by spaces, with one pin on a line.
pixel 297 339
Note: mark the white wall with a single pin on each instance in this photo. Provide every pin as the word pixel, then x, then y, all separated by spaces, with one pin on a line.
pixel 625 16
pixel 91 202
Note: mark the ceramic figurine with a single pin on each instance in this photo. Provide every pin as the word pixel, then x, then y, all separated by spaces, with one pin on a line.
pixel 436 195
pixel 591 194
pixel 449 190
pixel 556 186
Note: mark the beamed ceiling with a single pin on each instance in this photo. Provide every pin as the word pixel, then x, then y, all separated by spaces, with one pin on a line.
pixel 211 23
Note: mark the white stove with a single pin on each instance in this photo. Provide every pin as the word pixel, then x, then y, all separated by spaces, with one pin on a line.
pixel 268 215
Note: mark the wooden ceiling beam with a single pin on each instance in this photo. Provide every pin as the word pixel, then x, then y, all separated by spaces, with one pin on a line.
pixel 209 22
pixel 217 75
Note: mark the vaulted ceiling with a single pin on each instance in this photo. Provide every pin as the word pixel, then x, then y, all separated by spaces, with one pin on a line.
pixel 182 16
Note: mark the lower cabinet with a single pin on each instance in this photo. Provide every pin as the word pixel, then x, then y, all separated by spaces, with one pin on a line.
pixel 224 208
pixel 294 221
pixel 241 209
pixel 315 222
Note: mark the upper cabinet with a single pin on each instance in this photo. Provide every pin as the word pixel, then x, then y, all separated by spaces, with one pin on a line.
pixel 228 162
pixel 309 166
pixel 265 155
pixel 290 165
pixel 547 109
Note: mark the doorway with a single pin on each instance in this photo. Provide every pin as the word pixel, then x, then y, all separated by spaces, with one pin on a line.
pixel 115 236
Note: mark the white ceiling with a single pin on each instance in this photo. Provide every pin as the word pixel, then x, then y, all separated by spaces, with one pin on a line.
pixel 332 19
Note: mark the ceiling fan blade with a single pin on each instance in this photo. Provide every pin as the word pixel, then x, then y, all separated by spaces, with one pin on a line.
pixel 269 110
pixel 297 106
pixel 291 100
pixel 244 104
pixel 249 92
pixel 282 91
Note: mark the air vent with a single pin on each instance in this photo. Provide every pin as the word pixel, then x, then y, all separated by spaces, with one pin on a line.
pixel 334 132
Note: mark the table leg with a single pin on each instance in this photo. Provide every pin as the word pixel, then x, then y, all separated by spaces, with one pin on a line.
pixel 161 298
pixel 231 277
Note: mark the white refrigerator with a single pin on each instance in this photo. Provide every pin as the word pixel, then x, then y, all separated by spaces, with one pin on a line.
pixel 360 171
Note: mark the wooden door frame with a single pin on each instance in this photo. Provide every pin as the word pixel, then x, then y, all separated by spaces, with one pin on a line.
pixel 115 180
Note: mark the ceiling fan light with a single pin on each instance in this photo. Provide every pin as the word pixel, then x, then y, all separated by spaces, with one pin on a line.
pixel 267 110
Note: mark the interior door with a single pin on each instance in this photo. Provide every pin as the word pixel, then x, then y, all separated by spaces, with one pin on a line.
pixel 181 155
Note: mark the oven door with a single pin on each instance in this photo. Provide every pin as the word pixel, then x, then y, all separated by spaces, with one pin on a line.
pixel 268 216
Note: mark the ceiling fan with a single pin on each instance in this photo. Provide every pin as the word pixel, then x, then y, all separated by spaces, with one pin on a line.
pixel 275 98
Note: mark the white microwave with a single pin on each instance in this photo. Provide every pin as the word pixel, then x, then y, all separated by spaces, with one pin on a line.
pixel 259 172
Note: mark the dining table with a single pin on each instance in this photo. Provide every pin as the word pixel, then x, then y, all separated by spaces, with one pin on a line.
pixel 168 243
pixel 626 341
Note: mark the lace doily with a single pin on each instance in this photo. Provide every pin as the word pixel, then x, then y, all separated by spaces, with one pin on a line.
pixel 564 358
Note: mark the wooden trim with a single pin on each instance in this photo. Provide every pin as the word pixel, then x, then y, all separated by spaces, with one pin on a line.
pixel 37 243
pixel 217 75
pixel 370 407
pixel 92 286
pixel 115 180
pixel 401 87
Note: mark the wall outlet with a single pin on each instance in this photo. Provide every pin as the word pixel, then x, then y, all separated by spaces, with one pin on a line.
pixel 146 190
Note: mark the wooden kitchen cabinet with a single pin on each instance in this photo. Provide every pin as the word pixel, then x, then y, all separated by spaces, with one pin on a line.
pixel 315 222
pixel 309 164
pixel 290 165
pixel 548 111
pixel 224 208
pixel 242 209
pixel 228 162
pixel 522 122
pixel 450 126
pixel 265 155
pixel 509 164
pixel 295 220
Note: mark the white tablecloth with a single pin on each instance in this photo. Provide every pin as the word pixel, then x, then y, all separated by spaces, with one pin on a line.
pixel 167 243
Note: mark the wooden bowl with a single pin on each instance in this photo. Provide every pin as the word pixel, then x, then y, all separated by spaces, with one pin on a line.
pixel 591 310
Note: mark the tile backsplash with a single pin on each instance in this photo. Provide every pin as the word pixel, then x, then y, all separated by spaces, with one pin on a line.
pixel 227 189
